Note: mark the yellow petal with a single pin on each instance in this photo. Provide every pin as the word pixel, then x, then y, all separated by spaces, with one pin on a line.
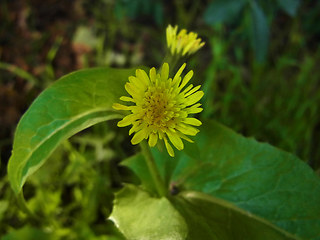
pixel 185 137
pixel 119 106
pixel 194 109
pixel 169 35
pixel 192 99
pixel 138 83
pixel 192 90
pixel 188 47
pixel 153 74
pixel 187 89
pixel 182 43
pixel 169 148
pixel 186 79
pixel 161 135
pixel 139 136
pixel 130 88
pixel 127 120
pixel 177 79
pixel 187 129
pixel 164 72
pixel 175 139
pixel 201 44
pixel 153 138
pixel 126 99
pixel 192 121
pixel 135 128
pixel 142 76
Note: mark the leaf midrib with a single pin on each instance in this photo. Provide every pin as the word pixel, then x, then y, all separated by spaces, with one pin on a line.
pixel 189 195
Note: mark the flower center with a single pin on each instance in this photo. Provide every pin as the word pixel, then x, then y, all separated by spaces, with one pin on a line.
pixel 159 107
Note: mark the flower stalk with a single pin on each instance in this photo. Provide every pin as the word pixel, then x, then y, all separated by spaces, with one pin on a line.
pixel 172 60
pixel 159 184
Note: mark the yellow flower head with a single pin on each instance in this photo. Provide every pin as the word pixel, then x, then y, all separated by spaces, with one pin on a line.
pixel 182 43
pixel 160 107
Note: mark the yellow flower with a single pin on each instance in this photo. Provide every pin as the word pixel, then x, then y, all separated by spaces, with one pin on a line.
pixel 160 107
pixel 182 43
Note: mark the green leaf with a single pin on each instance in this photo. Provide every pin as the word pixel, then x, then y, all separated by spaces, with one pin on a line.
pixel 212 218
pixel 139 216
pixel 260 32
pixel 256 177
pixel 28 233
pixel 221 11
pixel 3 207
pixel 19 72
pixel 137 164
pixel 290 6
pixel 190 215
pixel 75 102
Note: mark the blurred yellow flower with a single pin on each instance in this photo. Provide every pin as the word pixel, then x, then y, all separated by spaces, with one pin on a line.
pixel 184 42
pixel 160 107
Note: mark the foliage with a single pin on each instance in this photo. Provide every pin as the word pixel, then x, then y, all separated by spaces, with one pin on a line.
pixel 222 164
pixel 227 11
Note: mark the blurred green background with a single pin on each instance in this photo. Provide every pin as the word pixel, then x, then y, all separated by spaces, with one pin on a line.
pixel 259 70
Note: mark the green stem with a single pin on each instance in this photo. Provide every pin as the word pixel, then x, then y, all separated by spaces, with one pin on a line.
pixel 160 187
pixel 172 60
pixel 23 206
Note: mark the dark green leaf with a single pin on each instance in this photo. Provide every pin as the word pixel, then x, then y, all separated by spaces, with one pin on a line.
pixel 221 11
pixel 256 177
pixel 75 102
pixel 290 6
pixel 138 166
pixel 212 218
pixel 136 8
pixel 260 32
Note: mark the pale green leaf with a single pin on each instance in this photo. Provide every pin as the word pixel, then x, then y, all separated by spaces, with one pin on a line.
pixel 140 216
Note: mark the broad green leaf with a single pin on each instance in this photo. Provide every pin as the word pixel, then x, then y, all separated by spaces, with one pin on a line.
pixel 212 218
pixel 221 11
pixel 260 32
pixel 140 216
pixel 73 103
pixel 290 6
pixel 256 177
pixel 190 215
